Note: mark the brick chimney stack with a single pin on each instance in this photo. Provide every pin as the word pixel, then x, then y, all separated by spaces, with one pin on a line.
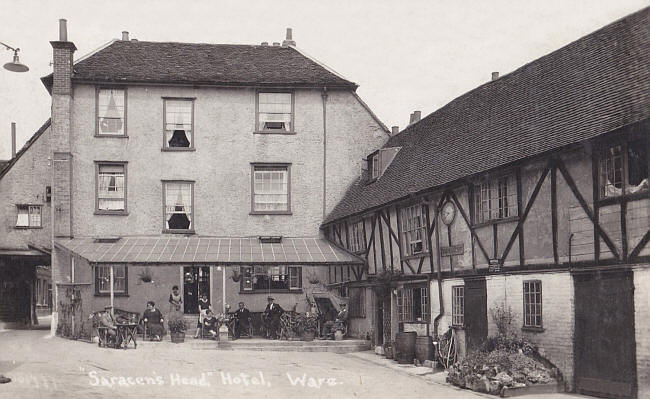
pixel 61 126
pixel 289 40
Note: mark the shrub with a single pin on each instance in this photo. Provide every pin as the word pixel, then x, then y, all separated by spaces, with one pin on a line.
pixel 503 317
pixel 176 325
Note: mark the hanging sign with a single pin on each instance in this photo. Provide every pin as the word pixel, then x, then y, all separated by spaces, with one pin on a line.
pixel 452 250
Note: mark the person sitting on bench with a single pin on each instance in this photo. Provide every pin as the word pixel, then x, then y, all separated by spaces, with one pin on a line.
pixel 106 320
pixel 242 321
pixel 210 325
pixel 153 321
pixel 332 326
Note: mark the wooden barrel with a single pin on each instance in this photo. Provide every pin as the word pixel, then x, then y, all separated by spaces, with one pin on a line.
pixel 424 348
pixel 405 343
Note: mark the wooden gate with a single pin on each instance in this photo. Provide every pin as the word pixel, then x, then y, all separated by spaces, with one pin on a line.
pixel 476 329
pixel 605 348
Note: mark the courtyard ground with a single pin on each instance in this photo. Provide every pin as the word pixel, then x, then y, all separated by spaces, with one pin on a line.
pixel 50 367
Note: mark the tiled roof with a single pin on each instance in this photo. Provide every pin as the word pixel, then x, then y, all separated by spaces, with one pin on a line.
pixel 590 87
pixel 4 168
pixel 210 64
pixel 222 250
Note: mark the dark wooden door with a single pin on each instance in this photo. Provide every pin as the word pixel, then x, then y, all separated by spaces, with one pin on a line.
pixel 476 329
pixel 605 349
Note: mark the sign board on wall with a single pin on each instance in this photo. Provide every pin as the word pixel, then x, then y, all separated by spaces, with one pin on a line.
pixel 452 250
pixel 494 266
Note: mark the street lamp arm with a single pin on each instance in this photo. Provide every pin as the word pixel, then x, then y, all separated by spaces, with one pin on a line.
pixel 15 50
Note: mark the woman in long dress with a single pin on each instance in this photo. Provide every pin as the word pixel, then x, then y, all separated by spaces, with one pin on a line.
pixel 175 302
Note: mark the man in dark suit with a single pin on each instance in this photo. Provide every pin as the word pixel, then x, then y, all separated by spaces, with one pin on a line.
pixel 242 320
pixel 272 315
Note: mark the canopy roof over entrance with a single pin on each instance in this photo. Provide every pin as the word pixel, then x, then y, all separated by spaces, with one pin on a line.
pixel 196 249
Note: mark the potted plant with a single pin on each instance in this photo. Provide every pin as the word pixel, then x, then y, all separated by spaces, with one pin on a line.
pixel 308 325
pixel 177 328
pixel 145 275
pixel 236 276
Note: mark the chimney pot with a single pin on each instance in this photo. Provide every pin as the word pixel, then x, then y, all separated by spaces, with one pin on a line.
pixel 63 30
pixel 125 36
pixel 134 40
pixel 265 43
pixel 495 75
pixel 416 116
pixel 289 40
pixel 276 44
pixel 395 130
pixel 13 140
pixel 411 119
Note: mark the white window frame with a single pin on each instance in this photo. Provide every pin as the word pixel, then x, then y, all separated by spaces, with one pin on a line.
pixel 495 198
pixel 30 218
pixel 263 116
pixel 168 133
pixel 103 276
pixel 256 208
pixel 532 292
pixel 414 230
pixel 458 305
pixel 98 194
pixel 607 167
pixel 167 211
pixel 101 109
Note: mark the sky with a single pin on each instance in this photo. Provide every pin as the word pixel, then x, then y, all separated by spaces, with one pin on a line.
pixel 404 55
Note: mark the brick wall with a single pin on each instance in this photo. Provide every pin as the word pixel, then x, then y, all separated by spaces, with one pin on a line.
pixel 25 183
pixel 556 340
pixel 220 166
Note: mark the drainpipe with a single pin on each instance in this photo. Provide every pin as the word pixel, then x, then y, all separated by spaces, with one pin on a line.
pixel 324 96
pixel 438 256
pixel 570 243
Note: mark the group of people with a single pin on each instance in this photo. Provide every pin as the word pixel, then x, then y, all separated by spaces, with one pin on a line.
pixel 208 324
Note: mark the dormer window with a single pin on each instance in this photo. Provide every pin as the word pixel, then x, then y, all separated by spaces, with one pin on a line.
pixel 178 124
pixel 379 161
pixel 274 112
pixel 375 166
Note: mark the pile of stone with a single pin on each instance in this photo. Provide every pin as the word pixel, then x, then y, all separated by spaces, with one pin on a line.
pixel 492 372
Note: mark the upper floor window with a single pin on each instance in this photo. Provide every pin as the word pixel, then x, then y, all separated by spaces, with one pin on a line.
pixel 274 112
pixel 357 302
pixel 178 123
pixel 413 230
pixel 495 199
pixel 624 168
pixel 375 166
pixel 264 278
pixel 357 237
pixel 178 197
pixel 28 216
pixel 111 112
pixel 111 187
pixel 271 188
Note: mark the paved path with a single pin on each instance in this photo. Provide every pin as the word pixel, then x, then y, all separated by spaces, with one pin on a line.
pixel 53 368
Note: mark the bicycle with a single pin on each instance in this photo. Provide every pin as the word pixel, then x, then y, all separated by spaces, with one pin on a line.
pixel 446 348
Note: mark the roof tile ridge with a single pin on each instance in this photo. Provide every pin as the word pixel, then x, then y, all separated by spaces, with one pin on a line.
pixel 322 64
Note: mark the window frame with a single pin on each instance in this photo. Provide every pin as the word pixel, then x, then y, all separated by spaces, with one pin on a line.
pixel 406 309
pixel 29 206
pixel 99 292
pixel 98 211
pixel 526 295
pixel 357 247
pixel 243 289
pixel 512 208
pixel 271 166
pixel 257 130
pixel 375 163
pixel 97 131
pixel 406 245
pixel 458 318
pixel 623 142
pixel 165 146
pixel 165 230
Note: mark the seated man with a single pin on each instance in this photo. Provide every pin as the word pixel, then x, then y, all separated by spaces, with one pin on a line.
pixel 242 320
pixel 106 320
pixel 153 321
pixel 210 325
pixel 332 326
pixel 272 315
